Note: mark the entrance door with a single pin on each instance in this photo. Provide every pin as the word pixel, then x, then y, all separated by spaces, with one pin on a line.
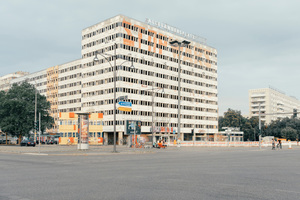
pixel 110 139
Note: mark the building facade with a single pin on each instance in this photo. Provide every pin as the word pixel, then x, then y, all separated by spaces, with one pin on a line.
pixel 85 85
pixel 274 104
pixel 5 80
pixel 68 128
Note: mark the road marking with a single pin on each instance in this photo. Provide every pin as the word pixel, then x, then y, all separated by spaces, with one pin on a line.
pixel 287 191
pixel 37 154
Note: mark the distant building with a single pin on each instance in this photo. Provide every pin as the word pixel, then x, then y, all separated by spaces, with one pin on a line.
pixel 46 82
pixel 274 104
pixel 246 116
pixel 5 80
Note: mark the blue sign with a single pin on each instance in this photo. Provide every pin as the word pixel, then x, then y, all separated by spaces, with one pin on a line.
pixel 124 103
pixel 133 126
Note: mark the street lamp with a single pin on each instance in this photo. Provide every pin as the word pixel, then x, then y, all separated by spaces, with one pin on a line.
pixel 179 44
pixel 40 132
pixel 157 89
pixel 35 112
pixel 115 81
pixel 154 90
pixel 259 118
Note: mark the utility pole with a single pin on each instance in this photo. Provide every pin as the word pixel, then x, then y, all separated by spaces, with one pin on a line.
pixel 179 45
pixel 39 132
pixel 179 97
pixel 259 127
pixel 35 109
pixel 115 83
pixel 152 114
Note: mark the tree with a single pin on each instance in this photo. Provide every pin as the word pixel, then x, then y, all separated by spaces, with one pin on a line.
pixel 254 121
pixel 278 128
pixel 248 131
pixel 232 118
pixel 289 133
pixel 287 127
pixel 220 123
pixel 17 110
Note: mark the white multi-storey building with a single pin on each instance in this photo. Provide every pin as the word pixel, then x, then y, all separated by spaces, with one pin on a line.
pixel 274 104
pixel 86 85
pixel 5 80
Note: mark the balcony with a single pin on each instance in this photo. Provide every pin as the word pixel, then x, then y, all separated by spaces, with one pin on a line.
pixel 258 95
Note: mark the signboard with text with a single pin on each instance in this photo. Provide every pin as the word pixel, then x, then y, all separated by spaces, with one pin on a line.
pixel 132 126
pixel 124 106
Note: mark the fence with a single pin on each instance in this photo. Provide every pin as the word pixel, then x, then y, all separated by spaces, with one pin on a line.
pixel 229 144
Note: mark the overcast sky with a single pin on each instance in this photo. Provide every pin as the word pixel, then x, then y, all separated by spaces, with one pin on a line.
pixel 258 41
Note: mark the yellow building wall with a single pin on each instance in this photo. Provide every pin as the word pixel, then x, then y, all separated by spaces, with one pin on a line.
pixel 52 94
pixel 68 128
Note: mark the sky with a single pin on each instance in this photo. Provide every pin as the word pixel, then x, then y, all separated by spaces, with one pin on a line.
pixel 258 41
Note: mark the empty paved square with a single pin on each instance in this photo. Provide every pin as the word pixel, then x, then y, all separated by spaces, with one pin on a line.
pixel 173 173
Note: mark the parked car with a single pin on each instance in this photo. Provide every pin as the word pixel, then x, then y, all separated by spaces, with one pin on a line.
pixel 4 141
pixel 28 143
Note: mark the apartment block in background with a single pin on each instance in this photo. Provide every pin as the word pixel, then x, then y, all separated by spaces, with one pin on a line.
pixel 274 104
pixel 5 80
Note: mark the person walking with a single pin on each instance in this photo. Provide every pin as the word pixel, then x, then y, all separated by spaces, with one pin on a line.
pixel 279 142
pixel 273 144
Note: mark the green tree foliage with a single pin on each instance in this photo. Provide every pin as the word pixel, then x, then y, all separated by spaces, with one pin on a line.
pixel 289 133
pixel 17 108
pixel 221 123
pixel 288 128
pixel 233 118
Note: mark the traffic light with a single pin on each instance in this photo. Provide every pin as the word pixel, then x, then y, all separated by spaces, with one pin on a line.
pixel 36 125
pixel 294 113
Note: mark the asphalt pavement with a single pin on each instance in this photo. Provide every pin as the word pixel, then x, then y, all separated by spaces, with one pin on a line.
pixel 63 172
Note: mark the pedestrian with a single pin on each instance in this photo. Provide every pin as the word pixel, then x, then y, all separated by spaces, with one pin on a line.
pixel 279 142
pixel 273 144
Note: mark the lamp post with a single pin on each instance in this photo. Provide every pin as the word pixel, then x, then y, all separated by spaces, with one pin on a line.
pixel 39 132
pixel 154 90
pixel 153 109
pixel 35 110
pixel 115 82
pixel 179 44
pixel 259 118
pixel 152 114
